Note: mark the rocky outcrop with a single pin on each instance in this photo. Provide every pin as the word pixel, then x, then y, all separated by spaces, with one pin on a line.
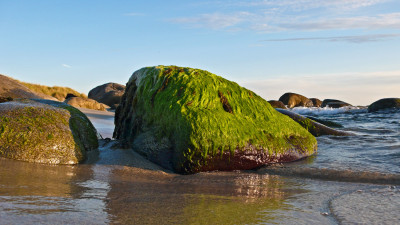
pixel 316 102
pixel 385 103
pixel 12 88
pixel 333 103
pixel 295 100
pixel 86 103
pixel 277 104
pixel 313 127
pixel 45 131
pixel 109 94
pixel 190 120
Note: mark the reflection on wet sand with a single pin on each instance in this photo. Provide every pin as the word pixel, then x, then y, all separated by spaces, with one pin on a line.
pixel 102 194
pixel 46 194
pixel 220 197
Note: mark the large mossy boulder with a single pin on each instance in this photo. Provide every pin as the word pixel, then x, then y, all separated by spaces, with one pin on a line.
pixel 384 103
pixel 190 120
pixel 109 94
pixel 45 131
pixel 295 100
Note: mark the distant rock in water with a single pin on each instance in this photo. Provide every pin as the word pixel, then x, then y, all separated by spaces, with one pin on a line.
pixel 277 104
pixel 86 103
pixel 385 103
pixel 333 103
pixel 109 94
pixel 45 131
pixel 14 89
pixel 190 120
pixel 316 102
pixel 313 127
pixel 295 100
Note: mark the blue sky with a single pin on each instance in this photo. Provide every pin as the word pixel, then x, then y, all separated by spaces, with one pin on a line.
pixel 345 49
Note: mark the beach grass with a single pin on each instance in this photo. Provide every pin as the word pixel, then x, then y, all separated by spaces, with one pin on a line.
pixel 55 91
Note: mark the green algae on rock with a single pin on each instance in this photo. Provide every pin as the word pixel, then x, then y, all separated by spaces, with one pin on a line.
pixel 190 120
pixel 45 131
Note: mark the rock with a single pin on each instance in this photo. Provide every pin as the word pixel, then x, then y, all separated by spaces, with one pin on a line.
pixel 277 104
pixel 316 102
pixel 70 95
pixel 109 94
pixel 295 100
pixel 189 120
pixel 333 103
pixel 45 131
pixel 13 89
pixel 327 123
pixel 86 103
pixel 313 127
pixel 384 103
pixel 3 99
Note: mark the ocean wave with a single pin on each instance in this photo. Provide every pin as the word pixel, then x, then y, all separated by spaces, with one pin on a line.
pixel 333 174
pixel 327 110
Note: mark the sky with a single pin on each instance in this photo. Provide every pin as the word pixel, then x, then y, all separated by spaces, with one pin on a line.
pixel 343 49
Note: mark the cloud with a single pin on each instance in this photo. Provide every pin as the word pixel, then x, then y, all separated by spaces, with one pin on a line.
pixel 352 39
pixel 66 65
pixel 382 21
pixel 303 5
pixel 301 15
pixel 215 20
pixel 355 88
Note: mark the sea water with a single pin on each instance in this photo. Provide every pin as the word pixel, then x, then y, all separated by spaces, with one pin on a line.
pixel 351 180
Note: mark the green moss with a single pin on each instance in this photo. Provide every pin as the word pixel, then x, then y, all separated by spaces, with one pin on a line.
pixel 206 115
pixel 36 132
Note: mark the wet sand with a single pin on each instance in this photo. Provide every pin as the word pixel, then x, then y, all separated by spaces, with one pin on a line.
pixel 118 186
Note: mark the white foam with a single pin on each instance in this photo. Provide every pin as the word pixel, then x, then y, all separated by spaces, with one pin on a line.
pixel 327 110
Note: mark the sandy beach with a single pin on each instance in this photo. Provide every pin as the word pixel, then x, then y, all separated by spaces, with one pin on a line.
pixel 119 186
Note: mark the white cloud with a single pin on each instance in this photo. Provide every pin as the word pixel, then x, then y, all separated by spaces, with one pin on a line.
pixel 352 39
pixel 215 20
pixel 355 88
pixel 302 5
pixel 66 65
pixel 382 21
pixel 300 15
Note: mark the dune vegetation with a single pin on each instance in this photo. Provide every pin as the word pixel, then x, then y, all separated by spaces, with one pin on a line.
pixel 55 91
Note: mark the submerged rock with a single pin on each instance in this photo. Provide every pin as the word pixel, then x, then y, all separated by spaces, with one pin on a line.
pixel 333 103
pixel 326 122
pixel 295 100
pixel 277 104
pixel 45 131
pixel 190 120
pixel 86 103
pixel 312 126
pixel 109 94
pixel 385 103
